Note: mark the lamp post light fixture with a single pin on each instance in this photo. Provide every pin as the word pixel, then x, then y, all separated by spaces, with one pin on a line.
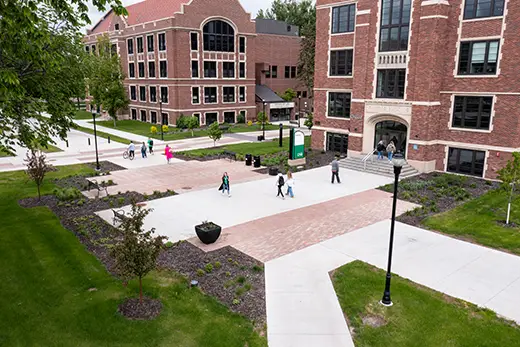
pixel 398 161
pixel 95 139
pixel 263 123
pixel 162 120
pixel 299 108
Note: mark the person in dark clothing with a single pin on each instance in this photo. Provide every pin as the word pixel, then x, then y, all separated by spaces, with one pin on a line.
pixel 225 184
pixel 280 183
pixel 150 145
pixel 335 170
pixel 380 149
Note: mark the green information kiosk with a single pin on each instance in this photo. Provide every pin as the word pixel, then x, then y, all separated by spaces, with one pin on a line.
pixel 296 144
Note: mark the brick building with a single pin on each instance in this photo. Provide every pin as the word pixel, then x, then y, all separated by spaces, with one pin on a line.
pixel 199 57
pixel 436 76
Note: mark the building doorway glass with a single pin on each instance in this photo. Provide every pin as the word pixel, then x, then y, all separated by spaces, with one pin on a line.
pixel 280 114
pixel 391 131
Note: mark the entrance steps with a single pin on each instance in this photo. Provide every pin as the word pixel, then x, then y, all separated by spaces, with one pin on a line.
pixel 377 167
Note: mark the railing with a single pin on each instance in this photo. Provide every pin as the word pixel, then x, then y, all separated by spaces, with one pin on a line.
pixel 394 60
pixel 370 156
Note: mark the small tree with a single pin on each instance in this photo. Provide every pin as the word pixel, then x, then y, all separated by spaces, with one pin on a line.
pixel 289 94
pixel 309 122
pixel 136 253
pixel 261 118
pixel 510 177
pixel 214 132
pixel 192 123
pixel 37 167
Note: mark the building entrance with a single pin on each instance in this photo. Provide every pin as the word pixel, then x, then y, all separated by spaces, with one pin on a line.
pixel 391 131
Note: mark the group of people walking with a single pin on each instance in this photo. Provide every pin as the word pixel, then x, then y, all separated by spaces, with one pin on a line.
pixel 390 150
pixel 280 182
pixel 147 147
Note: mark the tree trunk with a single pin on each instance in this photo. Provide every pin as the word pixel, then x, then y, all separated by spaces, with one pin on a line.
pixel 140 290
pixel 191 132
pixel 77 99
pixel 114 118
pixel 39 195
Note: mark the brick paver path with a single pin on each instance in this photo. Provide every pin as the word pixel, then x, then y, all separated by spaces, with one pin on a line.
pixel 274 236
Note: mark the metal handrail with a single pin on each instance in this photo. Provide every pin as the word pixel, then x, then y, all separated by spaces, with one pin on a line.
pixel 370 155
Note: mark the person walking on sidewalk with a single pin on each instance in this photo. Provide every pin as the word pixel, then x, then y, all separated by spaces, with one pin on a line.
pixel 380 149
pixel 168 153
pixel 131 150
pixel 335 170
pixel 390 149
pixel 143 150
pixel 150 145
pixel 225 184
pixel 290 184
pixel 280 183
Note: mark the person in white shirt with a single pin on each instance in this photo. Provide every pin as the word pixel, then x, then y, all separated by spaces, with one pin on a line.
pixel 131 149
pixel 290 184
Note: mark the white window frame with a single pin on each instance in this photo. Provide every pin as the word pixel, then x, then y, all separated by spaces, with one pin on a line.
pixel 136 46
pixel 148 68
pixel 147 51
pixel 204 96
pixel 491 116
pixel 245 94
pixel 198 69
pixel 245 44
pixel 136 113
pixel 163 78
pixel 217 68
pixel 150 94
pixel 200 116
pixel 160 94
pixel 346 91
pixel 234 116
pixel 234 68
pixel 328 62
pixel 218 117
pixel 198 41
pixel 130 92
pixel 165 42
pixel 144 70
pixel 139 98
pixel 132 78
pixel 146 115
pixel 234 94
pixel 191 93
pixel 245 70
pixel 133 45
pixel 156 118
pixel 245 115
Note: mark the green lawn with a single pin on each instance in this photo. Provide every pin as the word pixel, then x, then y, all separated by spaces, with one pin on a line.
pixel 477 221
pixel 4 154
pixel 102 134
pixel 143 129
pixel 81 114
pixel 51 149
pixel 253 148
pixel 419 316
pixel 46 275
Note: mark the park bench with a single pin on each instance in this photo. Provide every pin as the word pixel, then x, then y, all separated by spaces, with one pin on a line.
pixel 228 154
pixel 119 216
pixel 99 187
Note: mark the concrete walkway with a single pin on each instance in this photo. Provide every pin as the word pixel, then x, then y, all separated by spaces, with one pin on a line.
pixel 302 307
pixel 120 133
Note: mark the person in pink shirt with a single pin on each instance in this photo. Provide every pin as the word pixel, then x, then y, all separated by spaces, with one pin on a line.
pixel 168 153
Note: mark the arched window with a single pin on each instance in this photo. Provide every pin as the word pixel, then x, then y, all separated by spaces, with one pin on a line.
pixel 219 36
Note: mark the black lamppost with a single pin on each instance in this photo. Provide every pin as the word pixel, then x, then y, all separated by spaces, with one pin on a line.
pixel 263 124
pixel 95 139
pixel 162 120
pixel 398 161
pixel 299 108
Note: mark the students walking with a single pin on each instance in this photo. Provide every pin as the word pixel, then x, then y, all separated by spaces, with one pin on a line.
pixel 168 153
pixel 280 183
pixel 290 184
pixel 390 149
pixel 225 184
pixel 143 150
pixel 150 145
pixel 380 149
pixel 131 150
pixel 335 170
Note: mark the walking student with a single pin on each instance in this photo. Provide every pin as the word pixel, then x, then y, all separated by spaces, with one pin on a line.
pixel 143 150
pixel 168 153
pixel 225 184
pixel 380 149
pixel 280 182
pixel 150 145
pixel 391 150
pixel 131 150
pixel 335 170
pixel 290 184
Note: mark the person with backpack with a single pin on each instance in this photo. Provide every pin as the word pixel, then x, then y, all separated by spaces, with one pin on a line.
pixel 335 170
pixel 380 149
pixel 280 182
pixel 150 145
pixel 390 149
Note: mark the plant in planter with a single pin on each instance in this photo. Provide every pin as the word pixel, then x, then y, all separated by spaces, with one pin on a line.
pixel 208 232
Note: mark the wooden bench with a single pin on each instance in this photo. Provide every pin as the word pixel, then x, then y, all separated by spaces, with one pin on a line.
pixel 119 216
pixel 228 154
pixel 99 187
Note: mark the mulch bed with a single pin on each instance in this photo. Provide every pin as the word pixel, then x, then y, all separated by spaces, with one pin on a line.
pixel 234 278
pixel 107 166
pixel 80 182
pixel 133 309
pixel 438 192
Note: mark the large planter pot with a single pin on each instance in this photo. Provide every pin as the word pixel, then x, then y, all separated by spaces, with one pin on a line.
pixel 273 171
pixel 208 233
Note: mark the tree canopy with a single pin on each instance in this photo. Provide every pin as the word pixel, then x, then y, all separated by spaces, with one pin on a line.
pixel 41 67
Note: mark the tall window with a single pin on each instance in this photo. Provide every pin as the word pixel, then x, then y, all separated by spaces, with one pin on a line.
pixel 133 93
pixel 339 105
pixel 343 18
pixel 341 63
pixel 140 48
pixel 242 70
pixel 218 36
pixel 466 161
pixel 478 58
pixel 153 94
pixel 194 69
pixel 287 72
pixel 472 112
pixel 242 44
pixel 134 114
pixel 293 71
pixel 390 83
pixel 141 69
pixel 151 69
pixel 210 69
pixel 195 95
pixel 162 41
pixel 163 69
pixel 153 117
pixel 395 22
pixel 210 95
pixel 164 95
pixel 131 70
pixel 483 8
pixel 274 71
pixel 242 94
pixel 194 41
pixel 228 94
pixel 130 46
pixel 228 69
pixel 229 117
pixel 211 117
pixel 142 93
pixel 150 45
pixel 143 116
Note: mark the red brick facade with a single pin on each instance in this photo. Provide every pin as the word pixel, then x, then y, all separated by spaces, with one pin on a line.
pixel 178 20
pixel 436 30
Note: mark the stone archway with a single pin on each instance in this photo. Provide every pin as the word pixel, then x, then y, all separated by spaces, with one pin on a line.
pixel 386 127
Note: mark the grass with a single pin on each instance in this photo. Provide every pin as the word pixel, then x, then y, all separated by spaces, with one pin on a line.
pixel 476 220
pixel 82 114
pixel 4 154
pixel 51 149
pixel 253 148
pixel 143 129
pixel 47 273
pixel 419 316
pixel 102 134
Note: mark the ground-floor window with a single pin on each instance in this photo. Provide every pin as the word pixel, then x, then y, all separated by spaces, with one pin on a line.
pixel 165 119
pixel 143 116
pixel 153 117
pixel 280 114
pixel 197 115
pixel 465 161
pixel 134 114
pixel 337 143
pixel 229 117
pixel 211 118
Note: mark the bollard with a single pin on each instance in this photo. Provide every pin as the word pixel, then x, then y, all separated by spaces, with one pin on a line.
pixel 89 141
pixel 108 139
pixel 67 142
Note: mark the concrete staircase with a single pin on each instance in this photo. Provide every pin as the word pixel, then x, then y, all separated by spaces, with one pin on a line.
pixel 377 167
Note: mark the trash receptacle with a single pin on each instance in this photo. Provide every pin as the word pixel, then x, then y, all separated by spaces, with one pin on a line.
pixel 256 162
pixel 249 159
pixel 260 138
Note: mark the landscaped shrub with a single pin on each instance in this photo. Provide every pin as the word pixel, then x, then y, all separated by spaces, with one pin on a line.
pixel 218 265
pixel 165 128
pixel 201 272
pixel 182 122
pixel 241 118
pixel 208 268
pixel 66 194
pixel 153 129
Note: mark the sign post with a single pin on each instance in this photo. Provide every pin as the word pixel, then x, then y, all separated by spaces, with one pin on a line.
pixel 297 145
